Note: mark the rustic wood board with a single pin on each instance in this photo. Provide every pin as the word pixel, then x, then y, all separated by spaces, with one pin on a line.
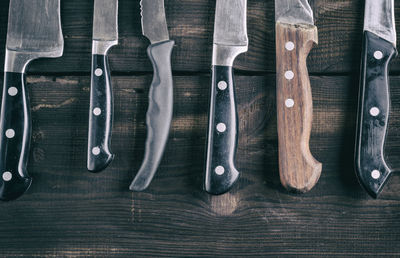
pixel 69 212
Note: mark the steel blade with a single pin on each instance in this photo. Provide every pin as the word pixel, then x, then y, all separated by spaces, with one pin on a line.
pixel 154 24
pixel 293 12
pixel 230 26
pixel 105 20
pixel 34 26
pixel 379 19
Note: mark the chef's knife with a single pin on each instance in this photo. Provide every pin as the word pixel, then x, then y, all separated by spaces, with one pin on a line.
pixel 105 35
pixel 159 114
pixel 379 47
pixel 230 40
pixel 295 36
pixel 34 31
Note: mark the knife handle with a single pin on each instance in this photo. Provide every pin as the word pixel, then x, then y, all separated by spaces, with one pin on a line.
pixel 299 170
pixel 159 113
pixel 373 113
pixel 100 115
pixel 221 173
pixel 15 135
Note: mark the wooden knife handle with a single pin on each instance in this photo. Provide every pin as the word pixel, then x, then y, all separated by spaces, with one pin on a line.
pixel 15 136
pixel 299 171
pixel 373 113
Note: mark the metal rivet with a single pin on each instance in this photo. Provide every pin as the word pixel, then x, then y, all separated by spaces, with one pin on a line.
pixel 289 75
pixel 222 85
pixel 98 72
pixel 374 111
pixel 7 176
pixel 289 103
pixel 12 91
pixel 10 133
pixel 96 151
pixel 97 111
pixel 221 127
pixel 376 174
pixel 378 55
pixel 289 45
pixel 220 170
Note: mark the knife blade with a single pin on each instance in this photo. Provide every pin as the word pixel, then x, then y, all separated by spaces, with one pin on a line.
pixel 230 40
pixel 159 113
pixel 295 36
pixel 379 48
pixel 34 31
pixel 105 35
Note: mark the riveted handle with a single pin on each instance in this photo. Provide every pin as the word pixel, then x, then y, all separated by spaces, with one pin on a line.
pixel 221 173
pixel 15 135
pixel 299 171
pixel 100 115
pixel 373 113
pixel 159 114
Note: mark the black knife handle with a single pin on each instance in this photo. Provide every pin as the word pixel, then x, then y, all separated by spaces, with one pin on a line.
pixel 100 115
pixel 373 113
pixel 159 114
pixel 15 135
pixel 221 173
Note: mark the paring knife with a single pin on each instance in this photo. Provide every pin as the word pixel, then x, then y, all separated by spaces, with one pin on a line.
pixel 105 35
pixel 295 36
pixel 34 31
pixel 159 114
pixel 379 47
pixel 230 40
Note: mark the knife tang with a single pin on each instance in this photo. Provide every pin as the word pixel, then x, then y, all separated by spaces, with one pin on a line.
pixel 101 110
pixel 299 171
pixel 221 173
pixel 15 134
pixel 373 113
pixel 159 114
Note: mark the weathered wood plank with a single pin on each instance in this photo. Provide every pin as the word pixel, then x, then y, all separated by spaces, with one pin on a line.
pixel 70 212
pixel 191 26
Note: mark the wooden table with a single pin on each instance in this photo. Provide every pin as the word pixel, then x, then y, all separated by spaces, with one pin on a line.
pixel 70 212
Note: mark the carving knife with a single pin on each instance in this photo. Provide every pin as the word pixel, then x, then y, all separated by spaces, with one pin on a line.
pixel 159 114
pixel 34 31
pixel 105 35
pixel 295 36
pixel 230 40
pixel 379 47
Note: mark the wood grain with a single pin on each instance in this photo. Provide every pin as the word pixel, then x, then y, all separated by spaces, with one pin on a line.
pixel 299 170
pixel 190 24
pixel 70 212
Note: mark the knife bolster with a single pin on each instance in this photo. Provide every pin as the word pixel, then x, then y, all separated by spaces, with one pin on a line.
pixel 101 47
pixel 299 171
pixel 225 55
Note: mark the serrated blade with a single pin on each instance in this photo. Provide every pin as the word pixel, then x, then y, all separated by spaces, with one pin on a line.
pixel 105 20
pixel 379 19
pixel 293 12
pixel 154 24
pixel 34 26
pixel 230 28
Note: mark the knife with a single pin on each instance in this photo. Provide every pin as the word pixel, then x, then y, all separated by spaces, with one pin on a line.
pixel 230 40
pixel 34 31
pixel 159 114
pixel 105 35
pixel 379 47
pixel 295 36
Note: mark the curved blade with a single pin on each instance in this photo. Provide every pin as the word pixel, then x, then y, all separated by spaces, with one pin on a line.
pixel 154 24
pixel 294 12
pixel 379 19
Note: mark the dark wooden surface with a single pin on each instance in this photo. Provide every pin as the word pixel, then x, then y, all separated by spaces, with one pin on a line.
pixel 69 212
